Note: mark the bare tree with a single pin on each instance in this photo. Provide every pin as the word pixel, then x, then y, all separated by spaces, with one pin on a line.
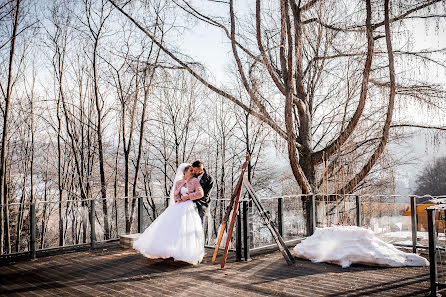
pixel 6 92
pixel 175 114
pixel 431 180
pixel 148 74
pixel 293 60
pixel 95 31
pixel 58 42
pixel 127 84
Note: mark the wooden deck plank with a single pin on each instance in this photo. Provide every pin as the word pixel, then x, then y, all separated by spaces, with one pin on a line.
pixel 112 271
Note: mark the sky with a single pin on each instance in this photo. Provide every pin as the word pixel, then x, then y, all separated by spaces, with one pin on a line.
pixel 210 46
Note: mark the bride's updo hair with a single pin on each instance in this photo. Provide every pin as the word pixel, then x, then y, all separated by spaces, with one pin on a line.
pixel 186 168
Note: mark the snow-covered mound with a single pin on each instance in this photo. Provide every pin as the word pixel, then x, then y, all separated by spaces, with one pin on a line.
pixel 348 245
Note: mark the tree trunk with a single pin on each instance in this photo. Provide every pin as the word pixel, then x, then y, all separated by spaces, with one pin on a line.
pixel 141 132
pixel 99 135
pixel 3 153
pixel 45 206
pixel 59 175
pixel 126 179
pixel 21 207
pixel 115 186
pixel 127 150
pixel 7 221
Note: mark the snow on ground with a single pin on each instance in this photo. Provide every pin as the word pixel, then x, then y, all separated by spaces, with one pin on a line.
pixel 402 235
pixel 405 237
pixel 346 245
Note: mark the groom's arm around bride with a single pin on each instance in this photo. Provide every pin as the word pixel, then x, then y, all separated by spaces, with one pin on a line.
pixel 207 184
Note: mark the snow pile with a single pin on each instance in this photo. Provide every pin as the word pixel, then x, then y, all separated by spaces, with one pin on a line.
pixel 353 245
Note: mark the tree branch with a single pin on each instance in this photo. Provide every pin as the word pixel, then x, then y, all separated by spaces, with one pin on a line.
pixel 308 5
pixel 194 12
pixel 246 85
pixel 220 92
pixel 345 134
pixel 410 11
pixel 265 60
pixel 360 28
pixel 418 126
pixel 351 185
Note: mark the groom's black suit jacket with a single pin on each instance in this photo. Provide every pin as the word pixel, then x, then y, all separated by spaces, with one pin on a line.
pixel 206 183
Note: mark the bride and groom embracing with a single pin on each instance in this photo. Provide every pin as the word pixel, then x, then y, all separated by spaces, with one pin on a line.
pixel 178 231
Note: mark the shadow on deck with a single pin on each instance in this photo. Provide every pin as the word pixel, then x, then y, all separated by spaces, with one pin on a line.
pixel 112 271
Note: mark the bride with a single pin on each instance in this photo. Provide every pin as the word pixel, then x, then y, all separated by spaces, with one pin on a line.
pixel 178 231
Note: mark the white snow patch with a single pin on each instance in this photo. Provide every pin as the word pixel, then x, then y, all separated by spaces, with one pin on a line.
pixel 346 245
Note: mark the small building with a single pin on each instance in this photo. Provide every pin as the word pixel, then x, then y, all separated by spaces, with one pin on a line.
pixel 421 214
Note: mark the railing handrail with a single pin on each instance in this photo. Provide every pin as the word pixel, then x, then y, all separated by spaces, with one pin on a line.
pixel 227 199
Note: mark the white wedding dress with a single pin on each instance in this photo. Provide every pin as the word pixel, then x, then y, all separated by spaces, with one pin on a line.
pixel 177 232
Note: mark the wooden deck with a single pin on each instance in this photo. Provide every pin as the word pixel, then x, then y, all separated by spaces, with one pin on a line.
pixel 112 271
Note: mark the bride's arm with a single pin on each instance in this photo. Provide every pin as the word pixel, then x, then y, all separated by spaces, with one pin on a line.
pixel 197 191
pixel 177 194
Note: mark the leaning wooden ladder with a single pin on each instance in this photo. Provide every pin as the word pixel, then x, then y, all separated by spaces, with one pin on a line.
pixel 266 218
pixel 233 206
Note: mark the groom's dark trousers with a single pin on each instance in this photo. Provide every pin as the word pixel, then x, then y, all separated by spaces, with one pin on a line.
pixel 207 183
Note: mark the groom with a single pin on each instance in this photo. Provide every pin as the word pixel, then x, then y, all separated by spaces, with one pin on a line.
pixel 206 183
